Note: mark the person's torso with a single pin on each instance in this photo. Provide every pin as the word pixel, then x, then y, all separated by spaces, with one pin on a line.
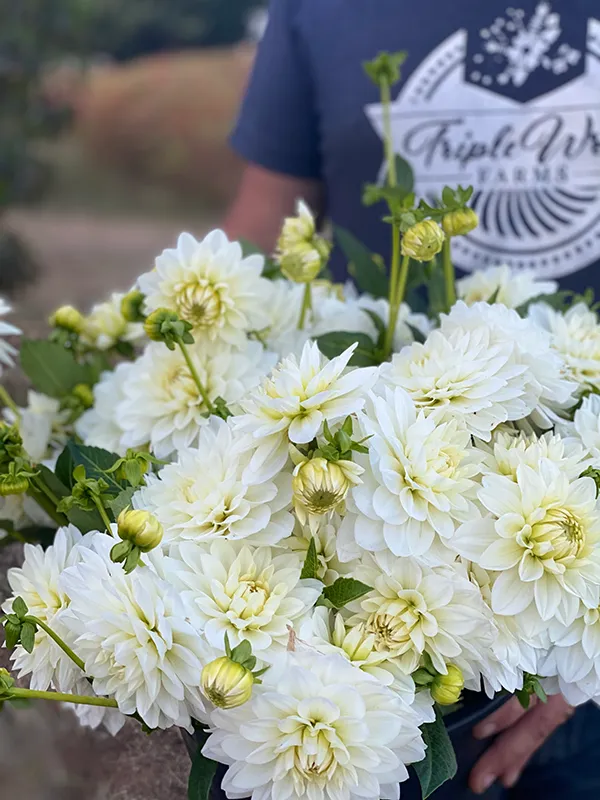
pixel 501 96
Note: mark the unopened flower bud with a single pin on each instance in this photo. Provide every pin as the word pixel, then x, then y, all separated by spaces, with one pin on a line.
pixel 446 689
pixel 226 683
pixel 302 264
pixel 131 306
pixel 460 222
pixel 84 394
pixel 423 241
pixel 68 318
pixel 301 252
pixel 13 484
pixel 319 485
pixel 140 528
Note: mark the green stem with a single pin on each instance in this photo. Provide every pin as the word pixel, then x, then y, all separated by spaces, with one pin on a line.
pixel 188 360
pixel 7 401
pixel 102 511
pixel 449 276
pixel 42 487
pixel 56 638
pixel 386 101
pixel 59 697
pixel 306 306
pixel 397 292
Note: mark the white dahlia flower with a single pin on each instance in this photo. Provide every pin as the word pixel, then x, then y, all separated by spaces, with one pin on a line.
pixel 100 426
pixel 317 728
pixel 203 497
pixel 37 581
pixel 586 424
pixel 542 536
pixel 575 657
pixel 23 511
pixel 329 567
pixel 162 404
pixel 210 285
pixel 7 351
pixel 509 449
pixel 246 593
pixel 105 326
pixel 504 285
pixel 575 336
pixel 292 404
pixel 132 632
pixel 282 303
pixel 41 425
pixel 415 610
pixel 420 482
pixel 546 378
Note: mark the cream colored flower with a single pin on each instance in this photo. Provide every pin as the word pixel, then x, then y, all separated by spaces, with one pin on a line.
pixel 586 424
pixel 100 426
pixel 105 326
pixel 301 252
pixel 513 288
pixel 325 539
pixel 42 425
pixel 210 285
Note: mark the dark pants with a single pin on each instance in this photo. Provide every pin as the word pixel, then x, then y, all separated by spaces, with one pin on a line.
pixel 566 768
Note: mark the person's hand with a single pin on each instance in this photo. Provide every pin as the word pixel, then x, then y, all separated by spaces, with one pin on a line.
pixel 520 733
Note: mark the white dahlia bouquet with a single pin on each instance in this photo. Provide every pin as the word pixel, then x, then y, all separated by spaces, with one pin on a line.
pixel 297 519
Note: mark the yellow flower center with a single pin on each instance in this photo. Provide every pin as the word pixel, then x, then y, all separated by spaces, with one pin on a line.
pixel 562 531
pixel 199 303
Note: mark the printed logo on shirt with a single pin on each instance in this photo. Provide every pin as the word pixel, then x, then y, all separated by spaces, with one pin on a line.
pixel 512 108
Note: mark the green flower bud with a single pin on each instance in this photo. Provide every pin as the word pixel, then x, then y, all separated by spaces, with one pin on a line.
pixel 140 528
pixel 11 444
pixel 165 326
pixel 301 252
pixel 446 689
pixel 84 394
pixel 423 241
pixel 385 67
pixel 226 683
pixel 13 484
pixel 68 318
pixel 131 306
pixel 302 264
pixel 460 222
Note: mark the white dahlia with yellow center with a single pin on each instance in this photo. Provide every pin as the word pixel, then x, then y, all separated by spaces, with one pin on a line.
pixel 210 285
pixel 202 505
pixel 317 728
pixel 162 404
pixel 420 481
pixel 416 610
pixel 292 404
pixel 242 592
pixel 504 285
pixel 541 537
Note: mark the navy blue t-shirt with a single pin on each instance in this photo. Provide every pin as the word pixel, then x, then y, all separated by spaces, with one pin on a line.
pixel 503 96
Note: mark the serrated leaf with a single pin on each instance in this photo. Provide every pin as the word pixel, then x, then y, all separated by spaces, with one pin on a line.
pixel 311 562
pixel 51 368
pixel 12 633
pixel 439 764
pixel 344 591
pixel 365 270
pixel 332 344
pixel 121 501
pixel 202 772
pixel 19 607
pixel 28 636
pixel 96 462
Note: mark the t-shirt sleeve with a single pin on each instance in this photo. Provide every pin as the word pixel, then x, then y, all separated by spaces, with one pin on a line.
pixel 278 123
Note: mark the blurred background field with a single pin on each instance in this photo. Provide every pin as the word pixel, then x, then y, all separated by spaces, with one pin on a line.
pixel 113 125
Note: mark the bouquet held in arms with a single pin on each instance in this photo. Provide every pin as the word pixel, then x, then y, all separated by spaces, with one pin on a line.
pixel 297 519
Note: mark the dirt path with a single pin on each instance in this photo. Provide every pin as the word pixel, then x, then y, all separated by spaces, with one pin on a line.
pixel 44 754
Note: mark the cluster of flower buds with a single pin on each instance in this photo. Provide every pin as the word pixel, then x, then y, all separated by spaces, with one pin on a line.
pixel 301 251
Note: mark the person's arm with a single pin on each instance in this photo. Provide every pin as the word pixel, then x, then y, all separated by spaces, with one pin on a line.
pixel 519 734
pixel 277 132
pixel 263 200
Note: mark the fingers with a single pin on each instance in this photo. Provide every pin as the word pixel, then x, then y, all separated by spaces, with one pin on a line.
pixel 501 719
pixel 509 754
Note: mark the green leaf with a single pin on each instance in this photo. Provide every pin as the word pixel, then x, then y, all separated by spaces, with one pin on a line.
pixel 86 521
pixel 121 501
pixel 28 636
pixel 404 175
pixel 19 607
pixel 51 368
pixel 133 472
pixel 439 764
pixel 242 652
pixel 12 633
pixel 332 344
pixel 416 333
pixel 311 562
pixel 64 468
pixel 344 591
pixel 363 266
pixel 560 301
pixel 201 776
pixel 97 462
pixel 540 693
